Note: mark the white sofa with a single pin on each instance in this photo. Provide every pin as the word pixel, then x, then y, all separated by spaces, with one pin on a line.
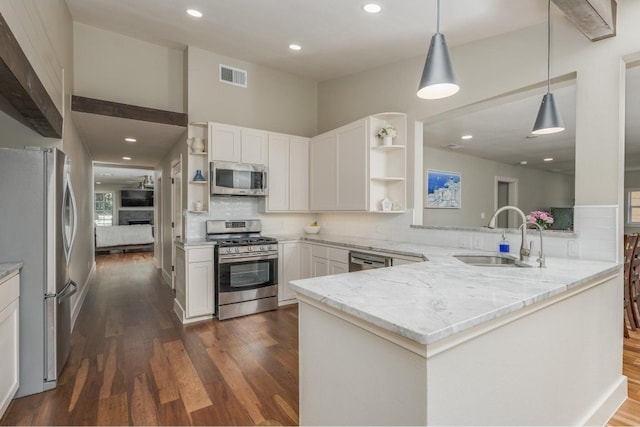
pixel 124 237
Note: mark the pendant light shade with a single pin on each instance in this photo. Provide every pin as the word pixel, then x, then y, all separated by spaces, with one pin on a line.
pixel 438 78
pixel 549 119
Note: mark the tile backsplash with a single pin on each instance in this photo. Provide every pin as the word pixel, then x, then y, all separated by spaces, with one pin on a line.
pixel 240 207
pixel 595 235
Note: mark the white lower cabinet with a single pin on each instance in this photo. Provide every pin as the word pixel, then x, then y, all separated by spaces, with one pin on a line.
pixel 328 260
pixel 9 339
pixel 294 262
pixel 195 278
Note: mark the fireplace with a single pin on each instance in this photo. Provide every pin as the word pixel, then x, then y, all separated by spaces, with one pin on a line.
pixel 132 217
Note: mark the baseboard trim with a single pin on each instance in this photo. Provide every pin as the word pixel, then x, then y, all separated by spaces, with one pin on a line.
pixel 608 405
pixel 75 311
pixel 182 315
pixel 166 278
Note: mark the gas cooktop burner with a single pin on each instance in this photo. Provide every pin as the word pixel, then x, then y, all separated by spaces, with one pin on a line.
pixel 241 241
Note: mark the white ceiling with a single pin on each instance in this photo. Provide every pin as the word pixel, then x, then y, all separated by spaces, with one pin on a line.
pixel 337 36
pixel 338 39
pixel 502 131
pixel 104 137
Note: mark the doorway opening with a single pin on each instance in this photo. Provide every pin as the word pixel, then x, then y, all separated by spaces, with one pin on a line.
pixel 506 194
pixel 176 214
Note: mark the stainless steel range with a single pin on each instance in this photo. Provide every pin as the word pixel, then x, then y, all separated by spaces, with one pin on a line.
pixel 246 268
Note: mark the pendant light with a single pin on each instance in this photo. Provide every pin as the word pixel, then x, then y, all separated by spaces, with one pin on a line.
pixel 548 119
pixel 438 79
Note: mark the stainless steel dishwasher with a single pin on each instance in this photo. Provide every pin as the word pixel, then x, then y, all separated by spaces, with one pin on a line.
pixel 361 261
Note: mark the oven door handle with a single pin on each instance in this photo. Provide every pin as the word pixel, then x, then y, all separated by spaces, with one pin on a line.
pixel 226 259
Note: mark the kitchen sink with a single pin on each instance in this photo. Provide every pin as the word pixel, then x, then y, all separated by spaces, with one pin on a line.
pixel 490 261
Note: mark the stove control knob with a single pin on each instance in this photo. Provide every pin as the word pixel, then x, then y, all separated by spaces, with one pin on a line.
pixel 237 250
pixel 262 247
pixel 229 250
pixel 249 248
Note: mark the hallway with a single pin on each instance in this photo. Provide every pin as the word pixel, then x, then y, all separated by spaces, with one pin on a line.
pixel 133 363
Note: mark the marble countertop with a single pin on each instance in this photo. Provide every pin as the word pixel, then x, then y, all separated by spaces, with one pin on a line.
pixel 194 242
pixel 8 268
pixel 432 300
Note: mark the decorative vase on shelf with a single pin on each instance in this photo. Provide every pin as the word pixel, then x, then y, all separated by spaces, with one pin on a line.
pixel 198 176
pixel 387 140
pixel 386 205
pixel 197 206
pixel 197 144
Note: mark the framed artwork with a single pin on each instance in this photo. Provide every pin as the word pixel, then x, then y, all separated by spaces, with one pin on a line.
pixel 444 189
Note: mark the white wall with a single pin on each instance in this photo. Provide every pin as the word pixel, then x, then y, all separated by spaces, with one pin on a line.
pixel 118 68
pixel 44 30
pixel 498 65
pixel 273 100
pixel 537 189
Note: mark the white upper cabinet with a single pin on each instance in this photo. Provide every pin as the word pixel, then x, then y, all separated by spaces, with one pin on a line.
pixel 351 157
pixel 253 146
pixel 224 142
pixel 298 174
pixel 322 172
pixel 288 176
pixel 352 170
pixel 236 144
pixel 278 174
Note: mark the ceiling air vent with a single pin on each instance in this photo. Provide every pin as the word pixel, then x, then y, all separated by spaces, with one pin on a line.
pixel 233 76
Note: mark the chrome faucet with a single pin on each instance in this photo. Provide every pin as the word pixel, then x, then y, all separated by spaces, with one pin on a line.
pixel 541 257
pixel 524 250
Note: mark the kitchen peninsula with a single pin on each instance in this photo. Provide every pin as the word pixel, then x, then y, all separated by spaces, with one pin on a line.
pixel 441 342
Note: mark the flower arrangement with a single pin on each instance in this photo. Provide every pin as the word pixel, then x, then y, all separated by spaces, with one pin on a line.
pixel 388 130
pixel 542 218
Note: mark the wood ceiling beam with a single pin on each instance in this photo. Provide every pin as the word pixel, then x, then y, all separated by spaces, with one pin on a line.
pixel 126 111
pixel 596 19
pixel 23 94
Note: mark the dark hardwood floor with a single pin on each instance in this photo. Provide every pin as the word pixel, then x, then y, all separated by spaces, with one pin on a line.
pixel 629 413
pixel 133 363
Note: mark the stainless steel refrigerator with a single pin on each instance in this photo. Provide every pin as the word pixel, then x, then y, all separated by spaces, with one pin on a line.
pixel 38 217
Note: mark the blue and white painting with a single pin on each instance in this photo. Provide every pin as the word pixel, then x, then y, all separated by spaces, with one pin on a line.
pixel 443 189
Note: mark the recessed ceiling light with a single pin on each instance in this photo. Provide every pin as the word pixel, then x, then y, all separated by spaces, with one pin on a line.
pixel 548 159
pixel 466 136
pixel 126 158
pixel 523 162
pixel 194 13
pixel 98 182
pixel 294 46
pixel 372 8
pixel 130 139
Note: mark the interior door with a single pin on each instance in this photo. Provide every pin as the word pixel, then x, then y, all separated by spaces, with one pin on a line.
pixel 176 215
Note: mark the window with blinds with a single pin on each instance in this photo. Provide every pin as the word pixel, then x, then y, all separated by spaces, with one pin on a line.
pixel 633 206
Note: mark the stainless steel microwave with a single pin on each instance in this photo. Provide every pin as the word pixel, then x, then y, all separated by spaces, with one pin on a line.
pixel 241 179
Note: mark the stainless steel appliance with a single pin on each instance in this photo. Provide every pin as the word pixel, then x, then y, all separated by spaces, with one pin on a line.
pixel 246 268
pixel 361 261
pixel 240 179
pixel 38 212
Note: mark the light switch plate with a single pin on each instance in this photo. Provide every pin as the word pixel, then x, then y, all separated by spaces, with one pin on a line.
pixel 477 242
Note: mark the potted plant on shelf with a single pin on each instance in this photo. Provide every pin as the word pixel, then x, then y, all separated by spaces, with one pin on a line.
pixel 387 133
